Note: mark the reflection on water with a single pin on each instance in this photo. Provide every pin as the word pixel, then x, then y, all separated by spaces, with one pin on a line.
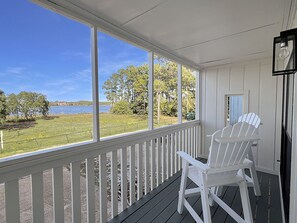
pixel 55 110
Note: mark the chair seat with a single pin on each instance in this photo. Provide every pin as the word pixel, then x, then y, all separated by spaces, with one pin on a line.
pixel 216 179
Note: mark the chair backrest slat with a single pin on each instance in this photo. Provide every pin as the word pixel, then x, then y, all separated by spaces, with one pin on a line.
pixel 231 153
pixel 250 118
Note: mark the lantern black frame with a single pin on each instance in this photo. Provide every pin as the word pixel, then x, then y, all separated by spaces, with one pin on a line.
pixel 288 35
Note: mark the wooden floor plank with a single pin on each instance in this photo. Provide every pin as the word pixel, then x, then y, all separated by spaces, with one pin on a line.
pixel 253 200
pixel 160 205
pixel 262 201
pixel 176 217
pixel 235 205
pixel 142 202
pixel 171 207
pixel 156 210
pixel 198 208
pixel 228 197
pixel 142 211
pixel 275 201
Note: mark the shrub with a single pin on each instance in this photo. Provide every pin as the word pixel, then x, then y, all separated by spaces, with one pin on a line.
pixel 121 108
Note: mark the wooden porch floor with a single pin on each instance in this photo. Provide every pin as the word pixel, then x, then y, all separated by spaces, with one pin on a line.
pixel 160 204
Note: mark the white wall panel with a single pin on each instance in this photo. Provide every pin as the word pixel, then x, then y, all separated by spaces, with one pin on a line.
pixel 223 87
pixel 236 78
pixel 267 111
pixel 252 82
pixel 210 123
pixel 254 78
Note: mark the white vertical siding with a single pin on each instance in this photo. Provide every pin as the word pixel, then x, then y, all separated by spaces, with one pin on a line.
pixel 253 78
pixel 252 82
pixel 223 86
pixel 210 103
pixel 267 114
pixel 236 78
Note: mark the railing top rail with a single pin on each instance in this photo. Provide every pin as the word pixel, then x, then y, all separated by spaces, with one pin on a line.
pixel 22 165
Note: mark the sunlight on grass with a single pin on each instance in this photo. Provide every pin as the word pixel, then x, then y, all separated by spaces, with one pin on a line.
pixel 66 129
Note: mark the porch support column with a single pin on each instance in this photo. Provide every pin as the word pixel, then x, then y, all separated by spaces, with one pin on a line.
pixel 95 89
pixel 197 96
pixel 179 94
pixel 151 91
pixel 293 197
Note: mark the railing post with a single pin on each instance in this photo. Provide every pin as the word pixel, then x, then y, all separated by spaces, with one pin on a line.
pixel 114 183
pixel 37 197
pixel 123 178
pixel 12 201
pixel 1 139
pixel 151 91
pixel 179 94
pixel 102 188
pixel 90 189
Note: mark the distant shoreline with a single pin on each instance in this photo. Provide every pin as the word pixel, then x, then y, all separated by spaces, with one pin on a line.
pixel 77 103
pixel 76 109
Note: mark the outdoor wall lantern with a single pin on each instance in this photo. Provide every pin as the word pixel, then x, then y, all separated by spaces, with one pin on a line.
pixel 284 53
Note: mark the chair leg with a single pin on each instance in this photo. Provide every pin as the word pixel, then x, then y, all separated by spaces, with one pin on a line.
pixel 254 175
pixel 210 199
pixel 183 184
pixel 246 206
pixel 204 199
pixel 219 191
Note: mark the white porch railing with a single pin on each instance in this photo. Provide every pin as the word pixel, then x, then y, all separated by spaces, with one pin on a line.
pixel 117 172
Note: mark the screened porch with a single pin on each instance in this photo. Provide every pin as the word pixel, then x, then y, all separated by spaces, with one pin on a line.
pixel 134 175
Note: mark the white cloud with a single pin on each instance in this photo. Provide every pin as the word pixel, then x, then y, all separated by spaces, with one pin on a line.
pixel 71 54
pixel 15 70
pixel 110 67
pixel 83 75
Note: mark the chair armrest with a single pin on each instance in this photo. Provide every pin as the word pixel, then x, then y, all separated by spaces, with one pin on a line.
pixel 225 140
pixel 245 165
pixel 201 166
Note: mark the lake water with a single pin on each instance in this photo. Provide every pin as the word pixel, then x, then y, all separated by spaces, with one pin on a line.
pixel 56 110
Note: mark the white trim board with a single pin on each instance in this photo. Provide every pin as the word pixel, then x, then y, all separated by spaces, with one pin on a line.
pixel 293 192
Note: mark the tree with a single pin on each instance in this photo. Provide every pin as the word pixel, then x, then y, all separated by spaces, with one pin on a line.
pixel 188 90
pixel 42 105
pixel 131 85
pixel 121 108
pixel 13 105
pixel 3 107
pixel 28 104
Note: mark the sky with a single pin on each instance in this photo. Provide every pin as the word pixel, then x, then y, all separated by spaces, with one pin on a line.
pixel 42 51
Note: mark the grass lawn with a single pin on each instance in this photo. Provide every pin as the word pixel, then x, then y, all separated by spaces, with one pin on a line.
pixel 65 129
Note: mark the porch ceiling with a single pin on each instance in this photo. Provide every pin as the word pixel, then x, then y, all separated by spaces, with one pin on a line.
pixel 204 32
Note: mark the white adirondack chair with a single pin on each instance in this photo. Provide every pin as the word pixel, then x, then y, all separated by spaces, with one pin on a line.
pixel 253 119
pixel 227 157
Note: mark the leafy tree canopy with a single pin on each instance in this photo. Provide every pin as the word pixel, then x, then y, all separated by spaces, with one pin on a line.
pixel 121 108
pixel 131 85
pixel 27 105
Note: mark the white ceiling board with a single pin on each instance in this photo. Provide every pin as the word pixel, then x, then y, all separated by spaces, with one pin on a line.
pixel 197 32
pixel 118 11
pixel 238 46
pixel 177 24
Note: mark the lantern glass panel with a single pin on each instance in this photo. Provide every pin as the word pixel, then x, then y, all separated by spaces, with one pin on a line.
pixel 282 64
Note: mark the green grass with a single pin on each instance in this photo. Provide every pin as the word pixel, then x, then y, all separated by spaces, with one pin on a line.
pixel 66 129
